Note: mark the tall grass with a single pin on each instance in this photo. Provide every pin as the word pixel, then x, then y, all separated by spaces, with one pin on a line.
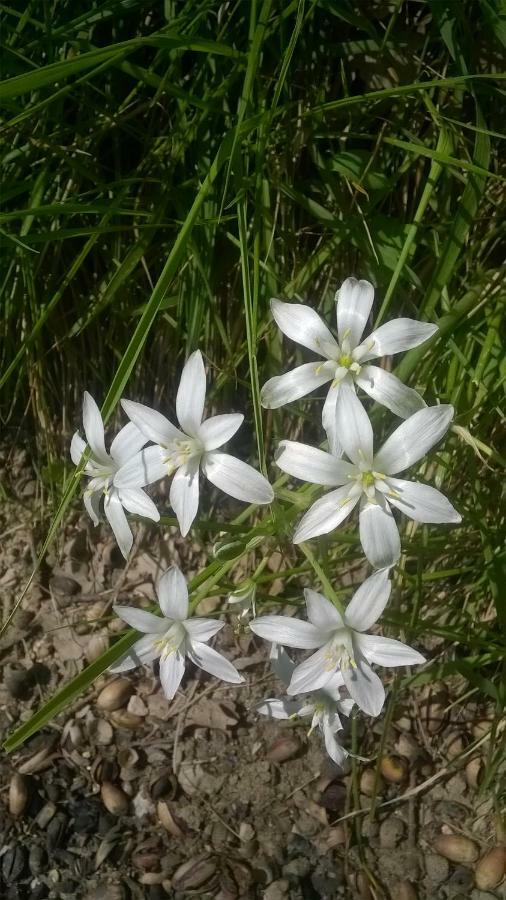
pixel 166 171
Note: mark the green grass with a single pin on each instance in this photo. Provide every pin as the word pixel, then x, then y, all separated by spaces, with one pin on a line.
pixel 165 173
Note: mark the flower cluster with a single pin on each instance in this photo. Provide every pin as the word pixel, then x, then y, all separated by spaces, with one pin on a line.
pixel 337 675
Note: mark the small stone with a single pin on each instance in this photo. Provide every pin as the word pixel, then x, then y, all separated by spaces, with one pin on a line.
pixel 115 694
pixel 457 848
pixel 394 769
pixel 283 749
pixel 490 869
pixel 403 890
pixel 391 832
pixel 114 799
pixel 19 794
pixel 64 585
pixel 473 772
pixel 368 781
pixel 278 890
pixel 437 868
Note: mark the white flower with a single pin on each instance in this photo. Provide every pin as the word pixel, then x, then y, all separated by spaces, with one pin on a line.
pixel 368 478
pixel 174 637
pixel 102 467
pixel 184 453
pixel 347 358
pixel 340 643
pixel 323 706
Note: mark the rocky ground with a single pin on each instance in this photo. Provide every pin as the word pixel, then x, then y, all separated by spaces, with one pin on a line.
pixel 127 796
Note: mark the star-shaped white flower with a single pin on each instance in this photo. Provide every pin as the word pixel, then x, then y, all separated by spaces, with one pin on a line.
pixel 174 637
pixel 101 469
pixel 323 706
pixel 183 453
pixel 347 359
pixel 368 478
pixel 340 643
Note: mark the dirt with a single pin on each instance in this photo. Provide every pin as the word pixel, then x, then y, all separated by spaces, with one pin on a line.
pixel 204 797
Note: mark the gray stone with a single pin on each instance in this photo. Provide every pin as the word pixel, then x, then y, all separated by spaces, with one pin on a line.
pixel 437 868
pixel 391 833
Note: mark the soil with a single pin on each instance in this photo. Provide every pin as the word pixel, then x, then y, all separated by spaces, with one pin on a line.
pixel 204 797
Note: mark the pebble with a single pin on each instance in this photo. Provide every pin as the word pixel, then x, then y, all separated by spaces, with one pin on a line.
pixel 457 848
pixel 394 769
pixel 489 870
pixel 403 890
pixel 283 748
pixel 437 868
pixel 114 799
pixel 115 694
pixel 391 832
pixel 64 585
pixel 19 794
pixel 278 890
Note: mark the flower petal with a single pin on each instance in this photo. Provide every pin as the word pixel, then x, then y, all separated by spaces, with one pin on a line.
pixel 144 651
pixel 213 662
pixel 138 503
pixel 219 429
pixel 421 502
pixel 94 429
pixel 127 443
pixel 325 514
pixel 278 709
pixel 144 468
pixel 302 324
pixel 388 390
pixel 141 619
pixel 354 300
pixel 321 612
pixel 387 652
pixel 337 753
pixel 153 425
pixel 171 673
pixel 365 687
pixel 397 335
pixel 369 601
pixel 379 534
pixel 118 522
pixel 413 439
pixel 237 478
pixel 329 419
pixel 311 464
pixel 191 394
pixel 281 663
pixel 312 674
pixel 77 448
pixel 184 494
pixel 295 384
pixel 288 632
pixel 172 594
pixel 353 427
pixel 201 629
pixel 92 504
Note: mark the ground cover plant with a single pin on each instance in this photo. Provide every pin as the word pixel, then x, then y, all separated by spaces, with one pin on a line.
pixel 168 171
